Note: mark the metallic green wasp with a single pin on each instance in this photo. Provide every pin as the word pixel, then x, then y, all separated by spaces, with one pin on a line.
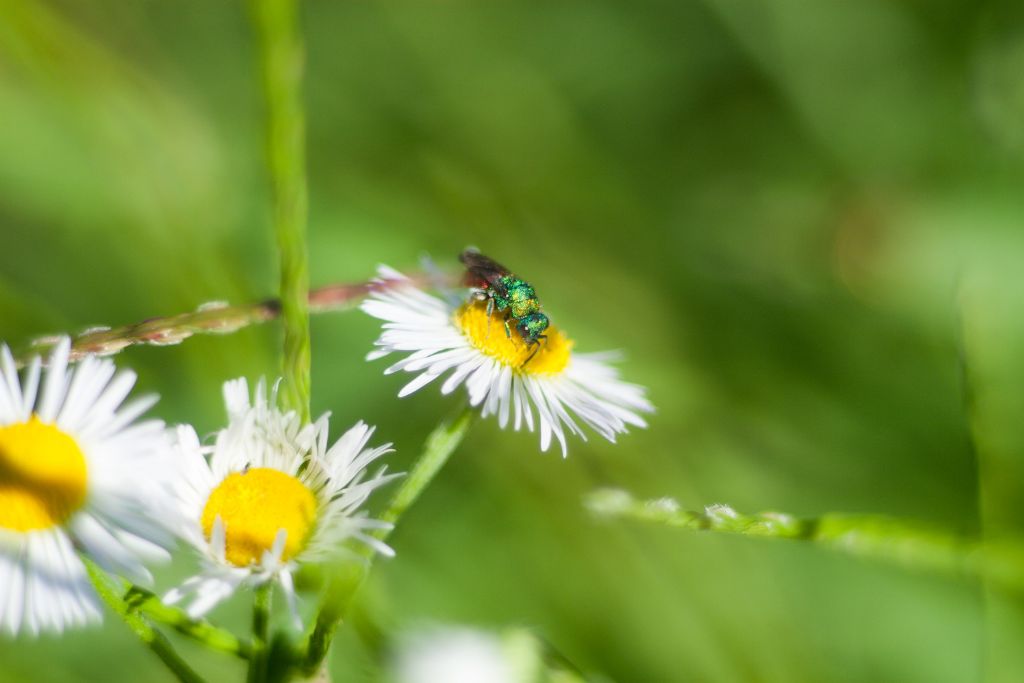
pixel 509 293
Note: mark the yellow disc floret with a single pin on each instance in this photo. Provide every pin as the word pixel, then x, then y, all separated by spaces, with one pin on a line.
pixel 487 333
pixel 43 476
pixel 254 506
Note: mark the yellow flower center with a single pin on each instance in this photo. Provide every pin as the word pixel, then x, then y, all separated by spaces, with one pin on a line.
pixel 43 477
pixel 487 333
pixel 255 505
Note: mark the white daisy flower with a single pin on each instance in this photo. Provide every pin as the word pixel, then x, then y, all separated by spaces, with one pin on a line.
pixel 77 471
pixel 271 496
pixel 501 372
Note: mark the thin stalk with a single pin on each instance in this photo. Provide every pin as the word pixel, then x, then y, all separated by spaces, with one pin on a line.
pixel 437 449
pixel 900 542
pixel 201 631
pixel 152 638
pixel 970 408
pixel 211 318
pixel 281 60
pixel 259 660
pixel 991 336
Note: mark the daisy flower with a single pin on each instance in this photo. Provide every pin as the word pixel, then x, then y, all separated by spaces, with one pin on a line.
pixel 77 471
pixel 502 373
pixel 270 496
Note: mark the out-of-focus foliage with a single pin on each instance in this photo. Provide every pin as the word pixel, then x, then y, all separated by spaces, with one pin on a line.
pixel 785 212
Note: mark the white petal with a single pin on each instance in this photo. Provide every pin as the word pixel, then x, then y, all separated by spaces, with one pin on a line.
pixel 106 549
pixel 210 593
pixel 417 384
pixel 288 587
pixel 29 388
pixel 56 383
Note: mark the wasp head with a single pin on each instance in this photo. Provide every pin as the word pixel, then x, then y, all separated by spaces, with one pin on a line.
pixel 532 326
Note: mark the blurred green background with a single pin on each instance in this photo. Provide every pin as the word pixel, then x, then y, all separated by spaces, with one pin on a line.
pixel 790 215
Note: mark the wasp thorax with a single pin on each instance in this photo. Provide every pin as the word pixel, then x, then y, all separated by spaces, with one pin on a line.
pixel 515 297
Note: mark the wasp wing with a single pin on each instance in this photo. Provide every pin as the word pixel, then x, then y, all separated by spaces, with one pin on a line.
pixel 481 270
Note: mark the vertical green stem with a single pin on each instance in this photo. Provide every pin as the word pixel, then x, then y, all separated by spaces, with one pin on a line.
pixel 437 449
pixel 991 299
pixel 258 662
pixel 281 55
pixel 153 639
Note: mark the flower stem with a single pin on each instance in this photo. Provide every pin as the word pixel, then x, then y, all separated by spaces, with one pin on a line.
pixel 258 660
pixel 991 335
pixel 153 639
pixel 876 537
pixel 281 57
pixel 213 318
pixel 203 632
pixel 437 449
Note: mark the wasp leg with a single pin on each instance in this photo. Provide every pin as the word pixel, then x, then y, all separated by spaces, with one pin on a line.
pixel 490 309
pixel 508 331
pixel 536 348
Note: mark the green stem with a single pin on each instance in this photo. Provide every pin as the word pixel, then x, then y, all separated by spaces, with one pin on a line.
pixel 281 56
pixel 437 449
pixel 153 639
pixel 990 295
pixel 203 632
pixel 258 660
pixel 910 545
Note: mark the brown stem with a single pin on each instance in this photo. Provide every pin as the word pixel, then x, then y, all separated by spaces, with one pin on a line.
pixel 210 318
